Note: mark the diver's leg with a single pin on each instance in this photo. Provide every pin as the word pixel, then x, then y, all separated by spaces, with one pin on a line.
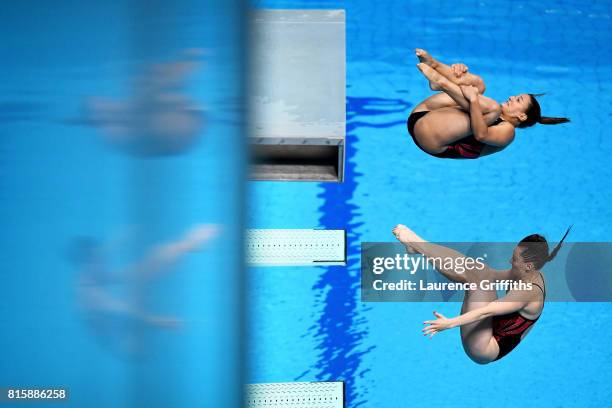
pixel 441 127
pixel 163 257
pixel 445 123
pixel 477 338
pixel 467 78
pixel 442 83
pixel 443 100
pixel 434 253
pixel 436 101
pixel 487 105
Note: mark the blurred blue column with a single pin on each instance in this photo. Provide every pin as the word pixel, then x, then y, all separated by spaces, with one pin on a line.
pixel 187 79
pixel 122 120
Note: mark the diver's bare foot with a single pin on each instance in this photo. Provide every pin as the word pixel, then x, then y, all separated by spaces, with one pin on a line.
pixel 435 79
pixel 424 57
pixel 434 87
pixel 406 236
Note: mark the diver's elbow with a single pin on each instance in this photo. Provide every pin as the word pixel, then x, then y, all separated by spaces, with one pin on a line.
pixel 481 136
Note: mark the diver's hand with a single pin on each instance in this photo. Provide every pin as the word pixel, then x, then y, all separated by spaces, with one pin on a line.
pixel 459 69
pixel 470 92
pixel 441 323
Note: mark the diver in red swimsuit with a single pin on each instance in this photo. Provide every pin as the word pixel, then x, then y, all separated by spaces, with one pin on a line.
pixel 461 123
pixel 490 327
pixel 508 329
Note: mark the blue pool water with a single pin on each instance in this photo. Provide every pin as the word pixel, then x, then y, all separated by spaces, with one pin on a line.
pixel 309 324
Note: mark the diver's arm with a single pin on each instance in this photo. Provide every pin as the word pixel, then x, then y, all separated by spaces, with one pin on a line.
pixel 439 82
pixel 477 122
pixel 458 77
pixel 442 83
pixel 497 136
pixel 496 308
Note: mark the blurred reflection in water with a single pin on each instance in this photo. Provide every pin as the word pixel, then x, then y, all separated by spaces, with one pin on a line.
pixel 159 118
pixel 137 74
pixel 104 291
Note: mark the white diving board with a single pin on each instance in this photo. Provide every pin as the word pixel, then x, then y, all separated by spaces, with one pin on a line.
pixel 297 95
pixel 295 247
pixel 295 395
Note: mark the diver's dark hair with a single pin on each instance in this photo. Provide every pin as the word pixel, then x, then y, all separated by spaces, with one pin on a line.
pixel 534 115
pixel 536 249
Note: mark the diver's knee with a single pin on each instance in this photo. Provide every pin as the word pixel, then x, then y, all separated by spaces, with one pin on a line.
pixel 480 357
pixel 479 84
pixel 479 350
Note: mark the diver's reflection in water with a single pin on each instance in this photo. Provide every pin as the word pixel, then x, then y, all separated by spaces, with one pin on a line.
pixel 159 118
pixel 117 316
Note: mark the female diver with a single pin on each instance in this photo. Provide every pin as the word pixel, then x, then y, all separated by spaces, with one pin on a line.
pixel 461 123
pixel 490 327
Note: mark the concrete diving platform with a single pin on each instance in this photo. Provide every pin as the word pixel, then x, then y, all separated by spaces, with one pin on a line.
pixel 297 113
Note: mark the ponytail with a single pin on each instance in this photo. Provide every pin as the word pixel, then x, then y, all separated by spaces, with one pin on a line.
pixel 545 120
pixel 558 247
pixel 535 249
pixel 534 115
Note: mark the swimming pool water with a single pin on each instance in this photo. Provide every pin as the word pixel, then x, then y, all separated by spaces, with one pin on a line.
pixel 309 324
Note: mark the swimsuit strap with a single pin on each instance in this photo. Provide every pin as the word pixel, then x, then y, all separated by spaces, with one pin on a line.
pixel 498 121
pixel 541 288
pixel 544 298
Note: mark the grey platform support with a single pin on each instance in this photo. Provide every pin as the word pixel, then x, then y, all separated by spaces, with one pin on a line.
pixel 297 96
